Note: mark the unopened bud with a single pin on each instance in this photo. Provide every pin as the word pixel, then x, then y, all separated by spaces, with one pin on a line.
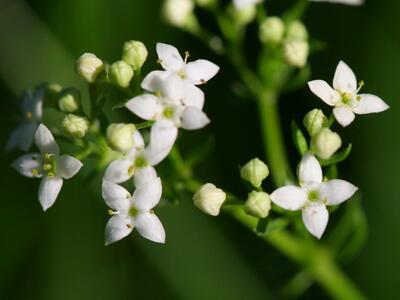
pixel 314 120
pixel 272 30
pixel 120 137
pixel 89 66
pixel 69 100
pixel 255 171
pixel 296 52
pixel 325 143
pixel 75 126
pixel 258 204
pixel 245 15
pixel 120 73
pixel 209 199
pixel 178 12
pixel 296 31
pixel 135 54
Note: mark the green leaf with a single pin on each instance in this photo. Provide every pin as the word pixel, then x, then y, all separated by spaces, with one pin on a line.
pixel 337 158
pixel 299 139
pixel 276 224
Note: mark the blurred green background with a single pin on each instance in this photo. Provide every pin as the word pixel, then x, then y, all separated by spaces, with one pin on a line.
pixel 60 254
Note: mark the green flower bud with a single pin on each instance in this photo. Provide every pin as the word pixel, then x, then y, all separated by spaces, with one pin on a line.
pixel 135 54
pixel 325 143
pixel 178 12
pixel 296 52
pixel 69 100
pixel 89 66
pixel 314 120
pixel 258 204
pixel 120 73
pixel 297 31
pixel 75 126
pixel 209 199
pixel 255 171
pixel 120 136
pixel 272 30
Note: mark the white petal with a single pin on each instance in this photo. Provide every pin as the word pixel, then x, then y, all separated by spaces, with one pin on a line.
pixel 348 2
pixel 173 89
pixel 138 140
pixel 201 71
pixel 48 191
pixel 147 195
pixel 37 104
pixel 154 80
pixel 344 115
pixel 315 218
pixel 44 140
pixel 323 90
pixel 118 227
pixel 310 172
pixel 150 227
pixel 144 175
pixel 170 58
pixel 118 170
pixel 146 106
pixel 193 96
pixel 193 118
pixel 115 196
pixel 27 163
pixel 344 79
pixel 241 4
pixel 289 197
pixel 370 104
pixel 22 136
pixel 68 166
pixel 337 191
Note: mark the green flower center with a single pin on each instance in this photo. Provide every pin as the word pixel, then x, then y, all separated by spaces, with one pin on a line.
pixel 313 196
pixel 168 112
pixel 49 165
pixel 133 211
pixel 140 162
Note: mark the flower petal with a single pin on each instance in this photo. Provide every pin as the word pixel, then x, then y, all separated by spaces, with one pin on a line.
pixel 323 91
pixel 138 140
pixel 370 104
pixel 68 166
pixel 344 80
pixel 22 137
pixel 26 164
pixel 193 95
pixel 348 2
pixel 150 227
pixel 48 191
pixel 172 89
pixel 154 80
pixel 200 71
pixel 193 118
pixel 344 115
pixel 337 191
pixel 310 172
pixel 144 175
pixel 116 196
pixel 169 57
pixel 289 197
pixel 315 218
pixel 147 195
pixel 118 227
pixel 241 4
pixel 44 140
pixel 146 106
pixel 118 170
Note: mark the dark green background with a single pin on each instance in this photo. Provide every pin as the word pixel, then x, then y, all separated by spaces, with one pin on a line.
pixel 60 254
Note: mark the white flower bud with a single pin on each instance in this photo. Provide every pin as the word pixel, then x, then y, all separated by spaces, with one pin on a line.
pixel 296 52
pixel 314 120
pixel 135 54
pixel 120 136
pixel 75 126
pixel 209 199
pixel 325 143
pixel 89 66
pixel 178 12
pixel 258 204
pixel 255 171
pixel 69 100
pixel 296 31
pixel 120 73
pixel 272 30
pixel 245 15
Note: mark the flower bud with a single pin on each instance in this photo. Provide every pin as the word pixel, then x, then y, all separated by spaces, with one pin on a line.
pixel 69 100
pixel 135 54
pixel 255 171
pixel 245 15
pixel 75 126
pixel 209 199
pixel 178 12
pixel 120 137
pixel 89 66
pixel 325 143
pixel 314 120
pixel 297 31
pixel 258 204
pixel 120 73
pixel 272 30
pixel 296 52
pixel 51 93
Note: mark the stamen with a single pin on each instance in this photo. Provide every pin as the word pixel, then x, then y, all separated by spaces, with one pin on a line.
pixel 35 172
pixel 47 167
pixel 49 156
pixel 129 226
pixel 131 170
pixel 29 115
pixel 50 175
pixel 203 81
pixel 113 212
pixel 360 85
pixel 187 55
pixel 159 61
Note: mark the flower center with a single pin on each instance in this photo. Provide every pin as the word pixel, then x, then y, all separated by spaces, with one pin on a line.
pixel 347 98
pixel 140 162
pixel 313 196
pixel 133 211
pixel 168 112
pixel 49 165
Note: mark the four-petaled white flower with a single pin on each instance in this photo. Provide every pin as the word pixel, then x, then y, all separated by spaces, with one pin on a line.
pixel 348 2
pixel 133 211
pixel 241 4
pixel 313 195
pixel 48 165
pixel 169 103
pixel 344 96
pixel 32 109
pixel 140 159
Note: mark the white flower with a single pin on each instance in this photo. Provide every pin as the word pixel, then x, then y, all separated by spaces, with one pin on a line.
pixel 32 109
pixel 48 165
pixel 133 211
pixel 140 160
pixel 178 12
pixel 241 4
pixel 348 2
pixel 313 195
pixel 168 103
pixel 344 96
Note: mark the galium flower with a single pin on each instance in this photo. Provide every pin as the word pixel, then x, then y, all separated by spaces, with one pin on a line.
pixel 344 96
pixel 49 165
pixel 313 195
pixel 133 211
